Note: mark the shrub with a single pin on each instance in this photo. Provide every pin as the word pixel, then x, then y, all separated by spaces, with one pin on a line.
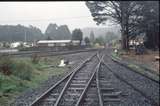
pixel 23 70
pixel 20 68
pixel 1 80
pixel 46 60
pixel 10 84
pixel 6 64
pixel 35 58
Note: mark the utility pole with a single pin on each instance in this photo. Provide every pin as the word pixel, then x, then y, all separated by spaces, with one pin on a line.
pixel 25 36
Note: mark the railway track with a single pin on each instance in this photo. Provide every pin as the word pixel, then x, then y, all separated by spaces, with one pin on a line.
pixel 113 90
pixel 68 84
pixel 44 53
pixel 146 98
pixel 85 87
pixel 142 74
pixel 91 95
pixel 100 92
pixel 107 93
pixel 94 83
pixel 130 69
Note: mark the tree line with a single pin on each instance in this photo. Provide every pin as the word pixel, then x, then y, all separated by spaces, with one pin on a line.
pixel 12 33
pixel 135 18
pixel 58 32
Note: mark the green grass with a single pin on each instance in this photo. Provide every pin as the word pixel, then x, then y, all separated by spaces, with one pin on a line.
pixel 142 71
pixel 116 56
pixel 10 87
pixel 25 75
pixel 136 68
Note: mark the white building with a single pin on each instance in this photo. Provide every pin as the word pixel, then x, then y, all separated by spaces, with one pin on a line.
pixel 52 43
pixel 15 44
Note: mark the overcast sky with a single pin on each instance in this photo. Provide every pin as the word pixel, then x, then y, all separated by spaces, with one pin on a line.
pixel 40 14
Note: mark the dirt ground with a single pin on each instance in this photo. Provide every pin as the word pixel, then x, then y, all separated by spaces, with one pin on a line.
pixel 148 58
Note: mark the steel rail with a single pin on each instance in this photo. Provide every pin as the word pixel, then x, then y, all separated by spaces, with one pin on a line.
pixel 89 82
pixel 133 70
pixel 98 87
pixel 98 84
pixel 69 80
pixel 46 92
pixel 36 52
pixel 130 69
pixel 45 54
pixel 136 89
pixel 87 86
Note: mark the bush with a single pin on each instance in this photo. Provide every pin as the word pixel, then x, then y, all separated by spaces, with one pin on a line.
pixel 35 58
pixel 20 69
pixel 5 86
pixel 6 64
pixel 23 70
pixel 1 80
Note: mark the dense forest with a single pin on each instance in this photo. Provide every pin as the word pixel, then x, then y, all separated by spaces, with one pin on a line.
pixel 58 32
pixel 11 33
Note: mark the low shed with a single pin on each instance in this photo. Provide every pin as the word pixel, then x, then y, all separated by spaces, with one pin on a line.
pixel 53 43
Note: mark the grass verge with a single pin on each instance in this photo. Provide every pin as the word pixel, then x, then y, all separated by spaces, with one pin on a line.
pixel 25 75
pixel 135 68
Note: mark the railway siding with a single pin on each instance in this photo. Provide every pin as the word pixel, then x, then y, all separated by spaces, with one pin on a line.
pixel 143 84
pixel 139 69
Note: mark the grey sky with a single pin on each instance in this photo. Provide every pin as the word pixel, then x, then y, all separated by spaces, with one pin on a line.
pixel 40 14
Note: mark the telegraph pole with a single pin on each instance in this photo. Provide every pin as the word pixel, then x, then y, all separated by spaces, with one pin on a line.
pixel 25 36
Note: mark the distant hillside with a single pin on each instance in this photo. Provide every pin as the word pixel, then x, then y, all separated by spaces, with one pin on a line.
pixel 11 33
pixel 58 32
pixel 101 31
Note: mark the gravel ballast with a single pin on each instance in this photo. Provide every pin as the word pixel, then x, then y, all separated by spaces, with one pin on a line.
pixel 128 96
pixel 145 85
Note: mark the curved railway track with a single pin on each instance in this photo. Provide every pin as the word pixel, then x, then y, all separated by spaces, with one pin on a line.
pixel 50 97
pixel 150 100
pixel 94 83
pixel 91 95
pixel 44 53
pixel 144 75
